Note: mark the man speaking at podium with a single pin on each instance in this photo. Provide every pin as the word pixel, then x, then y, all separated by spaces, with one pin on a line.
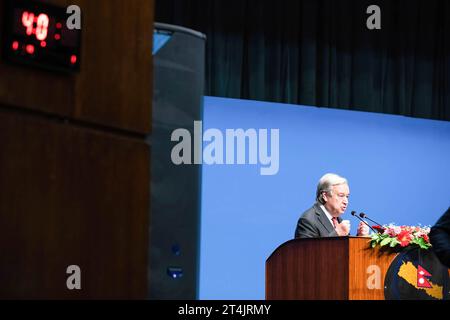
pixel 323 219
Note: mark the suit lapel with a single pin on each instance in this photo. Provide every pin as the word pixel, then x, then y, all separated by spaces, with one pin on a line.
pixel 323 219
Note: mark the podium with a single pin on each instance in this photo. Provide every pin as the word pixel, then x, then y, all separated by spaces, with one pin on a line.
pixel 337 268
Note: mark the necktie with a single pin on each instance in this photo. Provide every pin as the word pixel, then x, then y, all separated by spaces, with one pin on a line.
pixel 335 222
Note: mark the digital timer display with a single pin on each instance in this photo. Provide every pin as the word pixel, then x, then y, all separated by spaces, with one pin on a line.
pixel 36 34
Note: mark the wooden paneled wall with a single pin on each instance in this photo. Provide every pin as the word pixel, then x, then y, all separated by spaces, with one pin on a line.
pixel 74 164
pixel 114 87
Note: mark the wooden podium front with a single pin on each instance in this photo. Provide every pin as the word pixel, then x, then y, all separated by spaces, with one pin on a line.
pixel 338 268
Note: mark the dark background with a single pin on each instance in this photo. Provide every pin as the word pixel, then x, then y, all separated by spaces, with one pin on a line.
pixel 321 53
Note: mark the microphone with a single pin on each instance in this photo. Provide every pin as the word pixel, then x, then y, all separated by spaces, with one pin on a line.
pixel 364 216
pixel 379 227
pixel 353 213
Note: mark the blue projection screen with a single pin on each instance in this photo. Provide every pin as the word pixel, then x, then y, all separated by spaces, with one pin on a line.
pixel 397 168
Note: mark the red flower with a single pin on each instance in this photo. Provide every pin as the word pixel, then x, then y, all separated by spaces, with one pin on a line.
pixel 404 238
pixel 379 229
pixel 425 237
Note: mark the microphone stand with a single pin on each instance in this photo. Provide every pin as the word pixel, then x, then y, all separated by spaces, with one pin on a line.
pixel 353 213
pixel 363 215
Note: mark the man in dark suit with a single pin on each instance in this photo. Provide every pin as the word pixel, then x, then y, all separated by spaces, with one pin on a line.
pixel 440 238
pixel 323 219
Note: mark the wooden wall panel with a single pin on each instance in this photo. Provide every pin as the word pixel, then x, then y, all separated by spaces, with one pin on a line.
pixel 114 87
pixel 117 89
pixel 77 192
pixel 71 195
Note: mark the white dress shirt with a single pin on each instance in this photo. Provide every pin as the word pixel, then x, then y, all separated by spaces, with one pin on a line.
pixel 329 216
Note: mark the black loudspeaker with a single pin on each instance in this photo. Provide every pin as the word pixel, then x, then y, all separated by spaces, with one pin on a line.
pixel 179 63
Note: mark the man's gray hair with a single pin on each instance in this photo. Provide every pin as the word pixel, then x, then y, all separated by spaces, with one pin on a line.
pixel 326 184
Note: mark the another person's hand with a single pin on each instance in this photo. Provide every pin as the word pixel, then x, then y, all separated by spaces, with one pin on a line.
pixel 363 229
pixel 343 228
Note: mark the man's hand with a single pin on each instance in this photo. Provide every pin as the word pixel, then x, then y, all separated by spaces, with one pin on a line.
pixel 363 229
pixel 343 228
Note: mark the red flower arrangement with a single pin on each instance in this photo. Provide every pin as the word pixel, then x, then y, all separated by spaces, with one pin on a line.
pixel 402 236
